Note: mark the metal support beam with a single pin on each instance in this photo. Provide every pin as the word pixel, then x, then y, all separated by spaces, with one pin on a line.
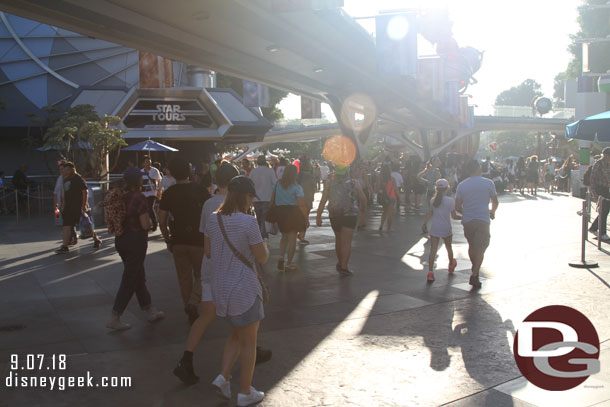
pixel 425 143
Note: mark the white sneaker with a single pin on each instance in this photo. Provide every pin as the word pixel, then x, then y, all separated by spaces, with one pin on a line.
pixel 223 386
pixel 116 324
pixel 155 315
pixel 255 396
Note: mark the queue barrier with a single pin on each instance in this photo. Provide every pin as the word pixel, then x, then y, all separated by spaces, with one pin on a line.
pixel 585 213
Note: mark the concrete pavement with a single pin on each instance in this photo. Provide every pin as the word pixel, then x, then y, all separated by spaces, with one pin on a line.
pixel 383 337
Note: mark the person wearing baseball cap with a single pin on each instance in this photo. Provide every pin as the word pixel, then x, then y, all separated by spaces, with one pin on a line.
pixel 225 173
pixel 132 245
pixel 600 188
pixel 442 209
pixel 233 236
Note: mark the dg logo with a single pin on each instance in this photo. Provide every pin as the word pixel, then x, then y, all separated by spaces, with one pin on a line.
pixel 557 348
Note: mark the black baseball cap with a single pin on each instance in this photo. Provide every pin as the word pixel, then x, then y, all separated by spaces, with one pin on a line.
pixel 242 184
pixel 225 173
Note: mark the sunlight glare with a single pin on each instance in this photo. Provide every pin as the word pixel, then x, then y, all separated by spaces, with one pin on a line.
pixel 398 28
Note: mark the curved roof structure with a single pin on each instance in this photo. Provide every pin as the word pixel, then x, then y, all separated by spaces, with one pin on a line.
pixel 42 65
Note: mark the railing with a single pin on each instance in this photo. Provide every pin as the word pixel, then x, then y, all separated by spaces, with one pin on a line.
pixel 300 124
pixel 37 197
pixel 526 111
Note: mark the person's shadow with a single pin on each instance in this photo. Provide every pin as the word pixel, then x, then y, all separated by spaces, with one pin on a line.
pixel 484 339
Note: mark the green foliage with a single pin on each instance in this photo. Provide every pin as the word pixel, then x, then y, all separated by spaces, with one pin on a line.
pixel 82 124
pixel 513 144
pixel 522 95
pixel 558 89
pixel 594 23
pixel 271 113
pixel 312 149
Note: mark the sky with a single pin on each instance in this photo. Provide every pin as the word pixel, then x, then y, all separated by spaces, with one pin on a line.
pixel 522 39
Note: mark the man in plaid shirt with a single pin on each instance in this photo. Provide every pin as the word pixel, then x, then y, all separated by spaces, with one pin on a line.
pixel 600 186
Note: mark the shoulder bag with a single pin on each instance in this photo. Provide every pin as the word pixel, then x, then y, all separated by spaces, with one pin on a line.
pixel 256 267
pixel 273 215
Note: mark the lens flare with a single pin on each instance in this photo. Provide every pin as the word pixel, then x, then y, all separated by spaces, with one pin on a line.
pixel 398 28
pixel 358 111
pixel 340 150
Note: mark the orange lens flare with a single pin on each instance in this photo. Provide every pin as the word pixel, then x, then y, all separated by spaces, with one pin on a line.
pixel 341 150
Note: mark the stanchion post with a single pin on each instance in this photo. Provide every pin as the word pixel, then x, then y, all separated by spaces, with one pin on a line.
pixel 584 230
pixel 17 204
pixel 39 199
pixel 600 209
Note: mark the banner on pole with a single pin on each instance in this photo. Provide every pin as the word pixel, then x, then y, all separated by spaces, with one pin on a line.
pixel 396 43
pixel 255 94
pixel 310 109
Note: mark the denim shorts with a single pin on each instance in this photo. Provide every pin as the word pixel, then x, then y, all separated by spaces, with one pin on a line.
pixel 254 314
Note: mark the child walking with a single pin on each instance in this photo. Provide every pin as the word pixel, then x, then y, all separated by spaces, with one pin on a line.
pixel 442 209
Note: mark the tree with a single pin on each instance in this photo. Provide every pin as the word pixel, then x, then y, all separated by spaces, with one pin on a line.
pixel 271 113
pixel 81 132
pixel 521 95
pixel 593 23
pixel 515 143
pixel 558 89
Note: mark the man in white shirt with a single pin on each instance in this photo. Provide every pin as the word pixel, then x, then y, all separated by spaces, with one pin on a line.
pixel 399 181
pixel 151 178
pixel 324 172
pixel 264 180
pixel 472 199
pixel 280 169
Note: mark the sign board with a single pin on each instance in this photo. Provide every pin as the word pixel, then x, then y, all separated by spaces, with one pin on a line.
pixel 175 114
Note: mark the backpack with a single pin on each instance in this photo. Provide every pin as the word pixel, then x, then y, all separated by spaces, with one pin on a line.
pixel 114 211
pixel 587 177
pixel 341 198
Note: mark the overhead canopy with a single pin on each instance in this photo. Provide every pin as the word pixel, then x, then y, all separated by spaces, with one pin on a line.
pixel 592 128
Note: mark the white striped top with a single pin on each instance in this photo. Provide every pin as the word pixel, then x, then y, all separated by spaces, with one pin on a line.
pixel 234 285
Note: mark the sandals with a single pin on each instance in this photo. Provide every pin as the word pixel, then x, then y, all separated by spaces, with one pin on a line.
pixel 291 267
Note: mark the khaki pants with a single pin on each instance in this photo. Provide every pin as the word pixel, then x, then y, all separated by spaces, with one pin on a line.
pixel 188 260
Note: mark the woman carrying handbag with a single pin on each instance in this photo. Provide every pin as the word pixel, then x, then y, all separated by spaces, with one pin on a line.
pixel 234 245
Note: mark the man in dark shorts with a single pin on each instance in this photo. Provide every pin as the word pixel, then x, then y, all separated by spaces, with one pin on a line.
pixel 73 205
pixel 472 200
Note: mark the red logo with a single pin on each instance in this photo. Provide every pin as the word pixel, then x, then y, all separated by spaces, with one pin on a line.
pixel 557 348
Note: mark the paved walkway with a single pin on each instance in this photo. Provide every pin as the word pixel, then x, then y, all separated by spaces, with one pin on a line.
pixel 383 337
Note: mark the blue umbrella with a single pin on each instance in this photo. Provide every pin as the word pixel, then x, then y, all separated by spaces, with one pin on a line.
pixel 149 145
pixel 592 128
pixel 81 145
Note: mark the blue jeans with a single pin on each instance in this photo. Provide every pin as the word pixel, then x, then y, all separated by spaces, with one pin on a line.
pixel 261 209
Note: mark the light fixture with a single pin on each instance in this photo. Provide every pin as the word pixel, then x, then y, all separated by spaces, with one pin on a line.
pixel 318 69
pixel 273 48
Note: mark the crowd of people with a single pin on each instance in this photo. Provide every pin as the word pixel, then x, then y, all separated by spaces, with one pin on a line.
pixel 216 220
